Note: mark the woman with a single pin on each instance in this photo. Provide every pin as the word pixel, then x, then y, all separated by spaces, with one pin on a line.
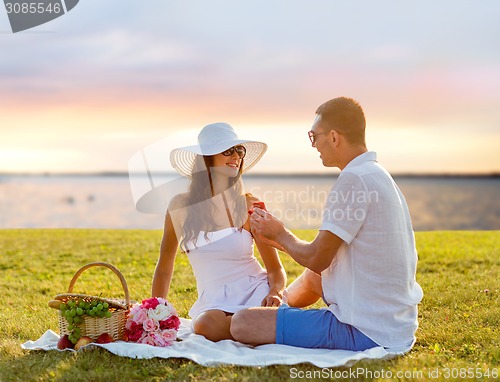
pixel 211 224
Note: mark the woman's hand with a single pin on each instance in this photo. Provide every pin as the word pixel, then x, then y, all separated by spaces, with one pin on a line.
pixel 273 299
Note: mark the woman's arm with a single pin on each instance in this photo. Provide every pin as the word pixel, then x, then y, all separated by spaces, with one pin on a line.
pixel 275 272
pixel 165 265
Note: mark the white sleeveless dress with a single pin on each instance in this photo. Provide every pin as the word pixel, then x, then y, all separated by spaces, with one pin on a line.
pixel 228 275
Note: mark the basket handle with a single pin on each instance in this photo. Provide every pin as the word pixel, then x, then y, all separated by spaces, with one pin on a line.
pixel 101 264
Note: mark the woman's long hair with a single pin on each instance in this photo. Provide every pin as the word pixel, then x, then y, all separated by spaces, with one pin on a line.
pixel 201 210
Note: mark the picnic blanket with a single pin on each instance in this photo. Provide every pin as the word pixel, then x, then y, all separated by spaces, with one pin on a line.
pixel 207 353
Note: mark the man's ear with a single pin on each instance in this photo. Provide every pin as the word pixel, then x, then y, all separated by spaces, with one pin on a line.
pixel 335 136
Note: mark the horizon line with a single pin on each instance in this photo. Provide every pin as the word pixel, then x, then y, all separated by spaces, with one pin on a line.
pixel 492 174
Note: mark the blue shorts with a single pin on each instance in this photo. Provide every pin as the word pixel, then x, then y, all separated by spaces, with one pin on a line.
pixel 317 328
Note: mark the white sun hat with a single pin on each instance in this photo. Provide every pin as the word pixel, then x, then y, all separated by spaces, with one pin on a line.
pixel 215 139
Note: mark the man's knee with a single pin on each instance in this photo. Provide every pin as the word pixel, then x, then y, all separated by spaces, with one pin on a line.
pixel 254 326
pixel 305 289
pixel 312 281
pixel 239 325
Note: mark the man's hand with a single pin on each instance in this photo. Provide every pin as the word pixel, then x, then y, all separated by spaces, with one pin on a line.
pixel 266 228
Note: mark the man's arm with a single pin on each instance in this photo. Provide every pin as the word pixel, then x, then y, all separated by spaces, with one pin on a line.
pixel 316 255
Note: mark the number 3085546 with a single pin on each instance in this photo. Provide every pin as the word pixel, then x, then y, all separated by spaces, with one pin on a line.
pixel 33 8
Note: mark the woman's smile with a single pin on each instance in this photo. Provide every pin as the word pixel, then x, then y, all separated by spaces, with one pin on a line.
pixel 233 164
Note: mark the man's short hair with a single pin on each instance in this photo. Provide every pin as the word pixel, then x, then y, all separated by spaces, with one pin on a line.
pixel 346 116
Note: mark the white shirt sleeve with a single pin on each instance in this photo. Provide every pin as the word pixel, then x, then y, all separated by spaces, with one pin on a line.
pixel 346 207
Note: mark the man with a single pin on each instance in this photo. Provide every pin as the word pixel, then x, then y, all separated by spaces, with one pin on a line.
pixel 362 262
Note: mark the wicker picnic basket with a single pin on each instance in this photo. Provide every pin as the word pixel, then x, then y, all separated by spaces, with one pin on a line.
pixel 93 327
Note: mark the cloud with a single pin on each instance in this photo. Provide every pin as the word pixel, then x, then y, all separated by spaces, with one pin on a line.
pixel 143 69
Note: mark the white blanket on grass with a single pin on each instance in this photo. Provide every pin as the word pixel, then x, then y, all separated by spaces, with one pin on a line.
pixel 207 353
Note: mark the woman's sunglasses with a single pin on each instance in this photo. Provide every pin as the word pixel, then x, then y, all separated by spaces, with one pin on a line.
pixel 240 150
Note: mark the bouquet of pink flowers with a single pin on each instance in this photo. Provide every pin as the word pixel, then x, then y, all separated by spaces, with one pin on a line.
pixel 154 322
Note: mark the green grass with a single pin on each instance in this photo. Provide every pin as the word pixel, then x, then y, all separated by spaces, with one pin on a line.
pixel 459 315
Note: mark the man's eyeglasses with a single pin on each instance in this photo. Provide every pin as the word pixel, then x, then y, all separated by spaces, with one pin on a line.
pixel 312 136
pixel 240 150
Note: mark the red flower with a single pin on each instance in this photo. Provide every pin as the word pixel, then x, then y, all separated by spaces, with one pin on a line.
pixel 135 332
pixel 150 303
pixel 172 322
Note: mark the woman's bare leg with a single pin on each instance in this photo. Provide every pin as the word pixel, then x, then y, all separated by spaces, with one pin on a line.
pixel 213 325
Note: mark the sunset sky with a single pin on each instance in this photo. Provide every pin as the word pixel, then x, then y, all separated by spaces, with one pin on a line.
pixel 85 92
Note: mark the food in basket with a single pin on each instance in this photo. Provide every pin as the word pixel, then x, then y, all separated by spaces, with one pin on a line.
pixel 74 311
pixel 83 315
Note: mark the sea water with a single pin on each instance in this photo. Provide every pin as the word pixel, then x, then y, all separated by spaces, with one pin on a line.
pixel 108 201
